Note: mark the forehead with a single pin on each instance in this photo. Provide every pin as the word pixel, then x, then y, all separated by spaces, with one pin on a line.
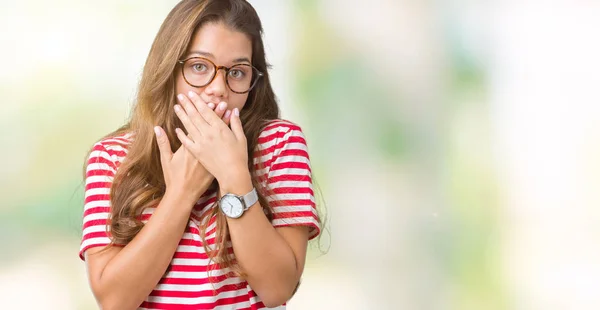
pixel 224 43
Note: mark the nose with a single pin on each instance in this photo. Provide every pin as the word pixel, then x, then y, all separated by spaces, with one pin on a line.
pixel 218 86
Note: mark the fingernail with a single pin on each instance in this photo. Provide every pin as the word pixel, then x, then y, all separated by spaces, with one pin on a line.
pixel 177 108
pixel 227 114
pixel 211 105
pixel 157 131
pixel 222 106
pixel 191 93
pixel 236 112
pixel 180 97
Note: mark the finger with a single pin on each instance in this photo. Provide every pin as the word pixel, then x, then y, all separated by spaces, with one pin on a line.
pixel 227 117
pixel 164 147
pixel 207 114
pixel 192 113
pixel 236 125
pixel 187 142
pixel 192 130
pixel 220 110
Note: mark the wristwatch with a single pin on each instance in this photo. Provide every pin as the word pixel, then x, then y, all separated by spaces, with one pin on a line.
pixel 234 206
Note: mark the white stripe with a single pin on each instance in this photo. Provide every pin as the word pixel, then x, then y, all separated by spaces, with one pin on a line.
pixel 291 184
pixel 293 209
pixel 286 144
pixel 99 166
pixel 239 305
pixel 289 171
pixel 197 274
pixel 262 158
pixel 96 216
pixel 191 236
pixel 194 261
pixel 294 146
pixel 198 249
pixel 275 129
pixel 98 179
pixel 198 287
pixel 115 146
pixel 294 220
pixel 254 300
pixel 205 209
pixel 97 203
pixel 100 241
pixel 291 159
pixel 96 153
pixel 291 196
pixel 149 211
pixel 97 191
pixel 260 172
pixel 94 229
pixel 197 300
pixel 191 249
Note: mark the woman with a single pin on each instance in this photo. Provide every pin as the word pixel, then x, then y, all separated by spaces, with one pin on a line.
pixel 204 198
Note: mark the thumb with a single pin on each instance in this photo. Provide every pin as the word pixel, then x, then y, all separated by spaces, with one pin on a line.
pixel 163 145
pixel 236 125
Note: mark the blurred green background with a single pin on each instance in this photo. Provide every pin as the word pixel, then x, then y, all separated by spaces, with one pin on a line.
pixel 455 144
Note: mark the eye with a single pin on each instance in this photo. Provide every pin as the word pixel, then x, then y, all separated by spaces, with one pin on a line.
pixel 199 67
pixel 237 74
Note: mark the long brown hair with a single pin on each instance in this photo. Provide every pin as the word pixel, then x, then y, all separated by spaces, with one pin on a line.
pixel 139 182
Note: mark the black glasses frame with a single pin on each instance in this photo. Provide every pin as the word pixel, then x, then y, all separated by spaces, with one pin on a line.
pixel 217 68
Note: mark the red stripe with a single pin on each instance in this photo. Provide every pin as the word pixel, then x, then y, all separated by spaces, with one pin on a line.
pixel 290 165
pixel 292 190
pixel 94 185
pixel 186 241
pixel 95 210
pixel 284 124
pixel 193 281
pixel 271 137
pixel 282 144
pixel 293 152
pixel 97 197
pixel 196 294
pixel 196 255
pixel 99 234
pixel 290 215
pixel 292 202
pixel 94 223
pixel 290 177
pixel 100 172
pixel 212 305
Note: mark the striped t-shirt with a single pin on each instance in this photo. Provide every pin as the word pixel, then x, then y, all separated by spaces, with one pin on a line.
pixel 286 169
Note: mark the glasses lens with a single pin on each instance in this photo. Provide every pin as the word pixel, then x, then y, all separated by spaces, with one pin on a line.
pixel 198 71
pixel 242 77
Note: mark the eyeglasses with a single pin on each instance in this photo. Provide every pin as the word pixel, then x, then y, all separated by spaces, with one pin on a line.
pixel 199 72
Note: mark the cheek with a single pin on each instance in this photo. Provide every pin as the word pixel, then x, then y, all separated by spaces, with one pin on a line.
pixel 181 87
pixel 238 101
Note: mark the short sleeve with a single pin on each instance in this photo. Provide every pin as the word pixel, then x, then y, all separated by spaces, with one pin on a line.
pixel 100 171
pixel 289 181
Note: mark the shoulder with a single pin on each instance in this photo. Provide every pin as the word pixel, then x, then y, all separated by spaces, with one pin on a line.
pixel 280 138
pixel 280 125
pixel 112 148
pixel 279 130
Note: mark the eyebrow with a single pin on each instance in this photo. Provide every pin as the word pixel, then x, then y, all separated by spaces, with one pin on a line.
pixel 207 54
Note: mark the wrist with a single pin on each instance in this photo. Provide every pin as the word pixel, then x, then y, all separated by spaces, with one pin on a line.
pixel 179 199
pixel 238 184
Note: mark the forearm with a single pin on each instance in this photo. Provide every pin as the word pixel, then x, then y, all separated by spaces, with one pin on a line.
pixel 131 275
pixel 262 253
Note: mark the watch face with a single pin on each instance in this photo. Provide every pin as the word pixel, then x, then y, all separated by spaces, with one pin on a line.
pixel 231 206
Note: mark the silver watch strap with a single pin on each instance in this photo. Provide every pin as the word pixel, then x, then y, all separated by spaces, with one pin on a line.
pixel 250 199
